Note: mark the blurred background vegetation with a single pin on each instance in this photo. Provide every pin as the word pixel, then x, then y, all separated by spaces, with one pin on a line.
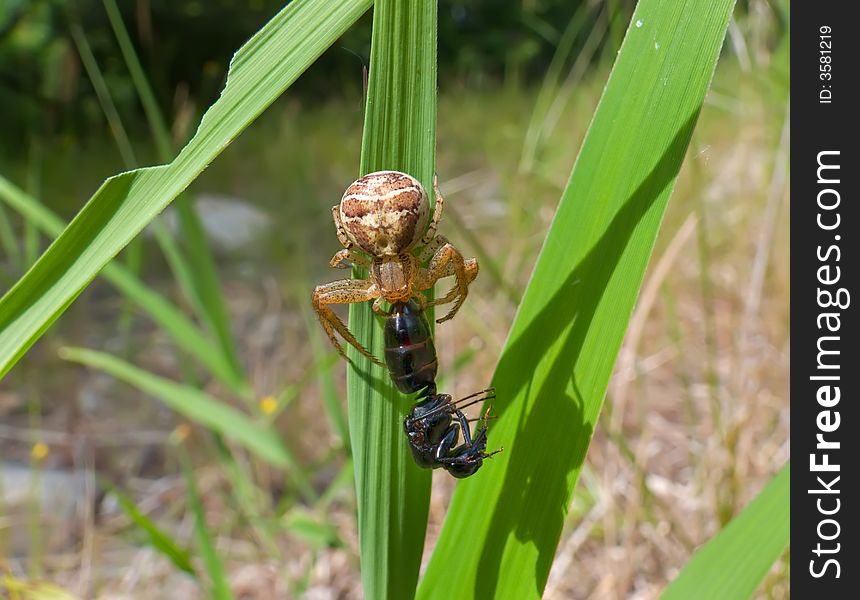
pixel 697 415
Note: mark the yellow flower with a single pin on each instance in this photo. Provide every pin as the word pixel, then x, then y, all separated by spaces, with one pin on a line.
pixel 268 405
pixel 182 431
pixel 39 451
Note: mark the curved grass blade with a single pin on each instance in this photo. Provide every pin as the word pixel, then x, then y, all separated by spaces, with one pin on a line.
pixel 504 524
pixel 180 329
pixel 733 563
pixel 160 539
pixel 393 495
pixel 259 72
pixel 201 284
pixel 220 587
pixel 201 408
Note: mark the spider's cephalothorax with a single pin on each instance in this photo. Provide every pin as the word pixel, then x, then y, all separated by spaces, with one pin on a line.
pixel 385 215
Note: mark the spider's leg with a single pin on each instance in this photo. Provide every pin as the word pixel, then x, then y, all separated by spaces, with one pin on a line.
pixel 339 228
pixel 448 261
pixel 430 248
pixel 342 256
pixel 471 266
pixel 437 213
pixel 345 291
pixel 377 307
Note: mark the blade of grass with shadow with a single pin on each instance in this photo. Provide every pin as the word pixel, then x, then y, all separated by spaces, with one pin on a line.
pixel 504 524
pixel 734 562
pixel 393 495
pixel 259 72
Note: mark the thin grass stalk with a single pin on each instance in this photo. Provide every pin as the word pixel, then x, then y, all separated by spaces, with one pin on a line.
pixel 399 133
pixel 219 585
pixel 33 187
pixel 201 284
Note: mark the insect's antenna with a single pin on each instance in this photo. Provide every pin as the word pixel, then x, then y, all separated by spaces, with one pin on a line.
pixel 490 395
pixel 483 418
pixel 490 391
pixel 459 406
pixel 486 391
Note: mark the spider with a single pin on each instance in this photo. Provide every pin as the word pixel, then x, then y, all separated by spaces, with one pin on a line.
pixel 384 215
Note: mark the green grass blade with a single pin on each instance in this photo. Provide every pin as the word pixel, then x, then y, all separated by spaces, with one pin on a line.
pixel 206 286
pixel 103 94
pixel 160 540
pixel 504 524
pixel 180 329
pixel 157 124
pixel 201 283
pixel 200 408
pixel 399 133
pixel 320 346
pixel 263 68
pixel 8 240
pixel 220 589
pixel 319 533
pixel 734 562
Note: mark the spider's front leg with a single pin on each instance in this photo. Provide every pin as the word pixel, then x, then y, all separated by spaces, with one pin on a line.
pixel 446 261
pixel 341 257
pixel 345 291
pixel 430 234
pixel 342 237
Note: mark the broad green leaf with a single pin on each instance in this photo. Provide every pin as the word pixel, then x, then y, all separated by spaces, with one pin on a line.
pixel 733 563
pixel 393 495
pixel 504 523
pixel 160 540
pixel 259 72
pixel 199 407
pixel 171 320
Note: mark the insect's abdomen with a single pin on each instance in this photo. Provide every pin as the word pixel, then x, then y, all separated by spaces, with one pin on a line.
pixel 409 350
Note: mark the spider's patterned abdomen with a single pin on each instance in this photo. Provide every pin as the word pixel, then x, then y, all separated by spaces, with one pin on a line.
pixel 385 213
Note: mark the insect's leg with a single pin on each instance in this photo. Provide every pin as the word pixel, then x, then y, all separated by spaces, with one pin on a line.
pixel 464 425
pixel 447 444
pixel 345 291
pixel 340 258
